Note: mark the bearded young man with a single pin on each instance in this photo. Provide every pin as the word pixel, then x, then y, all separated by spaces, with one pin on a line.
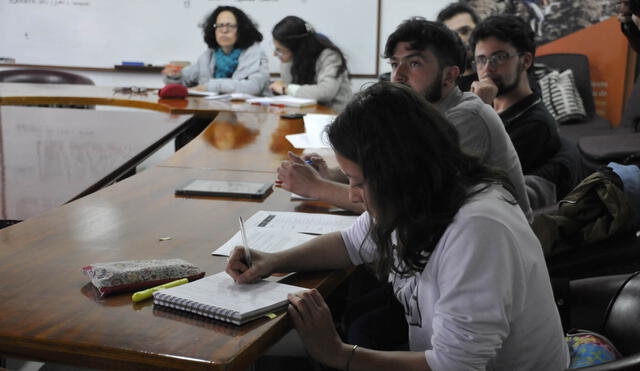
pixel 504 49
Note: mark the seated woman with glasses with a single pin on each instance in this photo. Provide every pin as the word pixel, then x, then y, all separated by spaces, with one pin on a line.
pixel 444 230
pixel 312 66
pixel 234 62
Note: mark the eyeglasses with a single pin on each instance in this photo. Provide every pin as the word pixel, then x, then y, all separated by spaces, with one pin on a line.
pixel 497 59
pixel 225 26
pixel 131 90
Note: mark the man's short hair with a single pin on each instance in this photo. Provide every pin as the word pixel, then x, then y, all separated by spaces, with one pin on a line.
pixel 506 28
pixel 454 9
pixel 445 44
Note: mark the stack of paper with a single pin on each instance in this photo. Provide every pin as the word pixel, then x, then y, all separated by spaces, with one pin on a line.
pixel 273 231
pixel 283 100
pixel 232 96
pixel 200 93
pixel 314 135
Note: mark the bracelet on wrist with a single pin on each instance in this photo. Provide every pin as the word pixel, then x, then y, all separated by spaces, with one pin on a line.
pixel 353 351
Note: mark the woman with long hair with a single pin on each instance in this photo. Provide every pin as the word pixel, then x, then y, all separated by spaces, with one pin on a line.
pixel 234 61
pixel 312 66
pixel 445 231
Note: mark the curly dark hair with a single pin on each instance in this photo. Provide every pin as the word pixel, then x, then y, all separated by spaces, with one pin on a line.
pixel 306 45
pixel 248 33
pixel 506 28
pixel 445 44
pixel 415 173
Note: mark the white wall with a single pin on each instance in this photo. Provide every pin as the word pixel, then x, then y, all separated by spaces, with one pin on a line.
pixel 395 11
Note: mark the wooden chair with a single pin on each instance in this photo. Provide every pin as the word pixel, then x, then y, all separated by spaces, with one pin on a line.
pixel 43 76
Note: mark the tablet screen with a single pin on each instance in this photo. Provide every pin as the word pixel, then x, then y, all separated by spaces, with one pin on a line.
pixel 225 188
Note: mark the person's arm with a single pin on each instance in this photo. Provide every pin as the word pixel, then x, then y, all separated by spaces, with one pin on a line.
pixel 251 76
pixel 312 319
pixel 324 252
pixel 299 177
pixel 631 31
pixel 327 83
pixel 187 76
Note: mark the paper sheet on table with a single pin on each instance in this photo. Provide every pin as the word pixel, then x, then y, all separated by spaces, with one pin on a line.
pixel 283 100
pixel 297 197
pixel 200 93
pixel 264 239
pixel 314 135
pixel 300 222
pixel 232 96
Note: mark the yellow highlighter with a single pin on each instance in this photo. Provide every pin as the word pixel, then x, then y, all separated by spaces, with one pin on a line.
pixel 146 294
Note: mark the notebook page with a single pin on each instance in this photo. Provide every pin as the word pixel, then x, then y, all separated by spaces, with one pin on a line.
pixel 220 291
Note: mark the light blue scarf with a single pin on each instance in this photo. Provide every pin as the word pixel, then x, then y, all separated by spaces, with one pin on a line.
pixel 226 64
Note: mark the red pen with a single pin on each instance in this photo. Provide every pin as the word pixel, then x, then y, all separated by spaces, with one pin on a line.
pixel 278 105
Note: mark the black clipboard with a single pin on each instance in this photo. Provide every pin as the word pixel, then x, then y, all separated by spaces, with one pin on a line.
pixel 224 188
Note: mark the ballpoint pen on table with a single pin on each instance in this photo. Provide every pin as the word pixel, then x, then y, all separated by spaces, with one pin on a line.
pixel 245 244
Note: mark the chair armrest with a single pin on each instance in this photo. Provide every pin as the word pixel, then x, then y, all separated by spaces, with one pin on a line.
pixel 628 363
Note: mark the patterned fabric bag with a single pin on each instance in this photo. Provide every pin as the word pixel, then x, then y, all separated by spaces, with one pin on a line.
pixel 561 97
pixel 588 349
pixel 133 275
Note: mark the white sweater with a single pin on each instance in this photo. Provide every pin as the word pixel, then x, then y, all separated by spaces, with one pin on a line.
pixel 484 299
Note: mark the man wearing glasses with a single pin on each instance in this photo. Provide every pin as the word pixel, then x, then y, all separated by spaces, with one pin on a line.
pixel 504 49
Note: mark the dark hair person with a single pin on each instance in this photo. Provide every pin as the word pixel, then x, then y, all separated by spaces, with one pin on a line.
pixel 312 66
pixel 509 29
pixel 458 251
pixel 234 62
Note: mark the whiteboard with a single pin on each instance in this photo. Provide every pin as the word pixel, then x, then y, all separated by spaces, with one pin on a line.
pixel 104 33
pixel 396 11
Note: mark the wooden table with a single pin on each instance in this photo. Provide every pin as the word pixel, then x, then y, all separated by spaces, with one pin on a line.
pixel 50 155
pixel 240 141
pixel 23 94
pixel 50 311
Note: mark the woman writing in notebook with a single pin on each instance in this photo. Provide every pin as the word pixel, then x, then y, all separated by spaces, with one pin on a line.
pixel 447 233
pixel 312 66
pixel 234 61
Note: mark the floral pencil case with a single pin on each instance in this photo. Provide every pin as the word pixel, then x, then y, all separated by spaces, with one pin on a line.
pixel 133 275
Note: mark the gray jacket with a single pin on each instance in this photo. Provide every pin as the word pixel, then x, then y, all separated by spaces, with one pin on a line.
pixel 329 90
pixel 251 76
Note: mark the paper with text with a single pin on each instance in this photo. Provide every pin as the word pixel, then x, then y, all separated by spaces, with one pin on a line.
pixel 300 222
pixel 264 239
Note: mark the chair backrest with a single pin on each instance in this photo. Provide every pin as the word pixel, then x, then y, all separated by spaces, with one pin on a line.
pixel 622 322
pixel 579 64
pixel 630 120
pixel 43 76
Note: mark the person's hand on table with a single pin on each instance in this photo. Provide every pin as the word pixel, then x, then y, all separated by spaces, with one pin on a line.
pixel 486 89
pixel 261 266
pixel 312 319
pixel 278 87
pixel 297 176
pixel 318 163
pixel 171 70
pixel 200 88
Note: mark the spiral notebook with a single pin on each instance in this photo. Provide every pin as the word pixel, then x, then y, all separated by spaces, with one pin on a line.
pixel 219 297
